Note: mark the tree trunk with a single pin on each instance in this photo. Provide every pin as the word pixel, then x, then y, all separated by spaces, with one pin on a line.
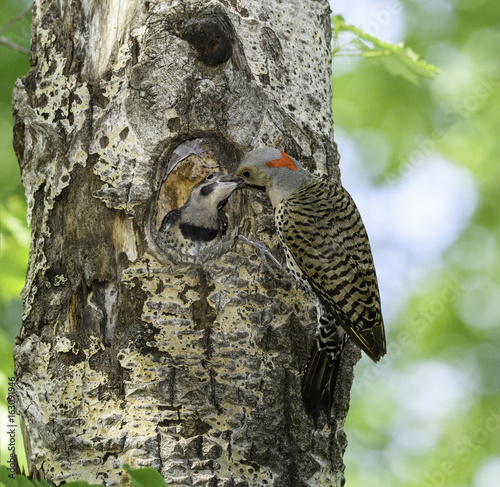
pixel 130 351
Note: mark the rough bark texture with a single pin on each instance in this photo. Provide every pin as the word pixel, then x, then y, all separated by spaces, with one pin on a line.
pixel 130 352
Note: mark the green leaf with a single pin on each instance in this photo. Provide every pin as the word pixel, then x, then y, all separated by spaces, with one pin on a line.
pixel 42 483
pixel 22 481
pixel 145 477
pixel 81 483
pixel 17 481
pixel 396 58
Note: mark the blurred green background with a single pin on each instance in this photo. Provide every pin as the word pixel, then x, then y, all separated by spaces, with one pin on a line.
pixel 14 233
pixel 422 161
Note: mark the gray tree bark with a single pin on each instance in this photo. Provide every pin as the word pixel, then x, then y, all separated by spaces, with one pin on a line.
pixel 131 352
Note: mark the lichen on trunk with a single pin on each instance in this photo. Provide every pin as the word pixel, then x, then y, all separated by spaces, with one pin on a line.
pixel 130 351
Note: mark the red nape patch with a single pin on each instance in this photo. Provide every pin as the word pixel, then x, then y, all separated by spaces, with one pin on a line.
pixel 283 161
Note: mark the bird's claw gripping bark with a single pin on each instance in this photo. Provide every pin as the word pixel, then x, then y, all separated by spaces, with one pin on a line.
pixel 264 252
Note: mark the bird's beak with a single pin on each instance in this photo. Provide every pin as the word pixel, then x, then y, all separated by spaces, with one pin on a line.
pixel 250 185
pixel 242 184
pixel 229 184
pixel 231 179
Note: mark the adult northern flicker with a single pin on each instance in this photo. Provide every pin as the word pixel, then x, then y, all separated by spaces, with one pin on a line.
pixel 201 221
pixel 327 250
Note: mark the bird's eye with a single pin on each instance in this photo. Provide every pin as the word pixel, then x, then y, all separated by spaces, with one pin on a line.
pixel 210 176
pixel 246 174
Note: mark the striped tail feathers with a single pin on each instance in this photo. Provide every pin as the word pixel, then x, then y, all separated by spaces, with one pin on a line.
pixel 320 379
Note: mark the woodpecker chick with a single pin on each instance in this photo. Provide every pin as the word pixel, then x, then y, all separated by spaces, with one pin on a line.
pixel 327 250
pixel 201 221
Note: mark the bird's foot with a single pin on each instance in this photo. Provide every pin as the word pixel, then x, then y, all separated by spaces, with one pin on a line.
pixel 265 253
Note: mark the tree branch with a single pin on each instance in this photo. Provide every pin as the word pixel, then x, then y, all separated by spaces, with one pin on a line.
pixel 16 18
pixel 5 42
